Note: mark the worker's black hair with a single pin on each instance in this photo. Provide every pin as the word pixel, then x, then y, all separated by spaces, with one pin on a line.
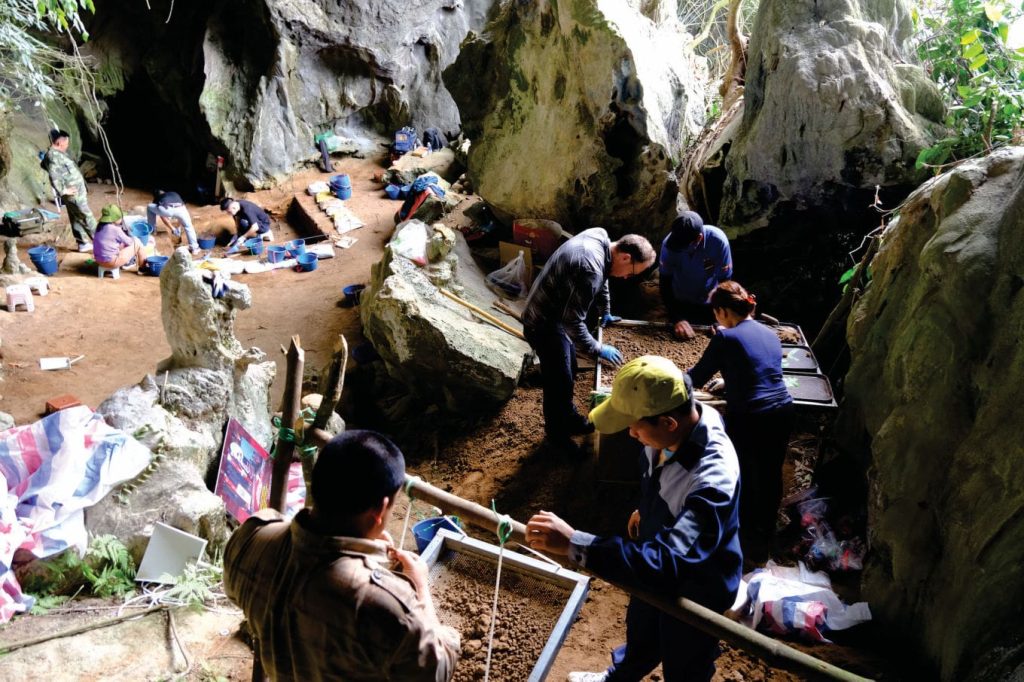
pixel 56 134
pixel 225 203
pixel 354 472
pixel 638 248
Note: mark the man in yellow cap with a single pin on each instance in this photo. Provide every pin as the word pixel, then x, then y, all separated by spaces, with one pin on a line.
pixel 682 541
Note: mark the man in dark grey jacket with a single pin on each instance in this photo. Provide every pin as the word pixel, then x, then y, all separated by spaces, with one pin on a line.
pixel 573 281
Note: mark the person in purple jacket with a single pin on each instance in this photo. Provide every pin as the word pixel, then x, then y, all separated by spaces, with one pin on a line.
pixel 112 247
pixel 759 410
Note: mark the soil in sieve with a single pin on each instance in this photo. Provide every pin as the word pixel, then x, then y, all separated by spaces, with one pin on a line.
pixel 633 342
pixel 528 609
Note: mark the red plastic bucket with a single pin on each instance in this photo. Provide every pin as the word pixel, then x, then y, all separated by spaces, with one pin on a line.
pixel 541 236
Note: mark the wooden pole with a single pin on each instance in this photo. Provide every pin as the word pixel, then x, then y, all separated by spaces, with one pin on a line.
pixel 774 652
pixel 290 411
pixel 484 314
pixel 335 384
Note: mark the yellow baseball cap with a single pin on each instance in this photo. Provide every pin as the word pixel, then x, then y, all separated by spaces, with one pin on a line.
pixel 645 387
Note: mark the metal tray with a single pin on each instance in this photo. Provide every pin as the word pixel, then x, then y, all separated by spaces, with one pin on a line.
pixel 545 580
pixel 809 389
pixel 799 359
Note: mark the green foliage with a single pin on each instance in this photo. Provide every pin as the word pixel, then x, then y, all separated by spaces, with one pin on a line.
pixel 33 67
pixel 107 570
pixel 46 603
pixel 195 587
pixel 965 49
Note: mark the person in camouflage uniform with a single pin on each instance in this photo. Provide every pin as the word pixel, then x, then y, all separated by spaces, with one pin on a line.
pixel 69 185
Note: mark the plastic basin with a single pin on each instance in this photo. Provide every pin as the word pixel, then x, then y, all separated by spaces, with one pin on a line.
pixel 255 245
pixel 44 258
pixel 156 264
pixel 352 293
pixel 425 530
pixel 307 262
pixel 296 247
pixel 206 242
pixel 276 253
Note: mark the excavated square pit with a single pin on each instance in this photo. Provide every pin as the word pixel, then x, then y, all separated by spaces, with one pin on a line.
pixel 537 604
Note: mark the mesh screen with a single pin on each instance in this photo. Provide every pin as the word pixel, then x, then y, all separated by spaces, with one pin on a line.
pixel 462 585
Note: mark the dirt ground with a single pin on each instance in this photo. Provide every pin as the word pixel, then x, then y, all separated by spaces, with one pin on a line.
pixel 497 455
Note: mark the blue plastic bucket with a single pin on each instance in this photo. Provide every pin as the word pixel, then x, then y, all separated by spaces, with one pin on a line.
pixel 352 293
pixel 425 530
pixel 276 253
pixel 342 186
pixel 255 245
pixel 392 191
pixel 155 264
pixel 206 242
pixel 307 262
pixel 142 230
pixel 44 258
pixel 296 247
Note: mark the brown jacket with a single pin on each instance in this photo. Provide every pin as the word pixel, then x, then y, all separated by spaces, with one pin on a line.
pixel 328 608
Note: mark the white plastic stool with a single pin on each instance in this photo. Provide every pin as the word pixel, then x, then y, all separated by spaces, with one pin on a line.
pixel 19 294
pixel 38 285
pixel 115 273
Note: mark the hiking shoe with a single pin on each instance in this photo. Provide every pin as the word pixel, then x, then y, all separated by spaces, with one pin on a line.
pixel 194 249
pixel 84 247
pixel 267 236
pixel 587 677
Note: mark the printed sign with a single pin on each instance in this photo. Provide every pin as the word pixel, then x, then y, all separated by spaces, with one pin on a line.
pixel 243 481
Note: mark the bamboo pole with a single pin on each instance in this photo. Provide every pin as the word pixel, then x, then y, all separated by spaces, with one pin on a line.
pixel 335 384
pixel 772 651
pixel 8 648
pixel 290 410
pixel 484 314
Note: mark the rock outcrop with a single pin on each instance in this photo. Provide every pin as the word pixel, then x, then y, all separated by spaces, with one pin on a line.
pixel 827 109
pixel 300 68
pixel 937 367
pixel 432 344
pixel 578 111
pixel 181 412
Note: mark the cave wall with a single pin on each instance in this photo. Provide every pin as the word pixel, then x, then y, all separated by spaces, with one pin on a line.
pixel 934 389
pixel 578 111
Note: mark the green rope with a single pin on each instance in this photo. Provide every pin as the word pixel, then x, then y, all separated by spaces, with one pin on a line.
pixel 504 529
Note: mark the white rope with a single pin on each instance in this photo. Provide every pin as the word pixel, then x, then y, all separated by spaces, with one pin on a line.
pixel 408 512
pixel 503 519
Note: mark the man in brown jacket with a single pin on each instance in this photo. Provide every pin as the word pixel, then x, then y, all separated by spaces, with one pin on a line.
pixel 318 591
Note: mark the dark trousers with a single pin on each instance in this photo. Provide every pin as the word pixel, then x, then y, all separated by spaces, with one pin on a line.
pixel 653 637
pixel 557 354
pixel 761 440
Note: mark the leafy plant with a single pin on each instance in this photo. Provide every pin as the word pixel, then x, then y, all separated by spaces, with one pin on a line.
pixel 107 570
pixel 195 587
pixel 967 53
pixel 46 603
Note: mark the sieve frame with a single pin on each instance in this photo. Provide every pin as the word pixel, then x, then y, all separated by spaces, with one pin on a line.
pixel 577 584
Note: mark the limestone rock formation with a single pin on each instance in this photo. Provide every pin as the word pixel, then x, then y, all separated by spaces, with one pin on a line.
pixel 826 110
pixel 432 344
pixel 578 111
pixel 299 68
pixel 935 379
pixel 181 413
pixel 12 264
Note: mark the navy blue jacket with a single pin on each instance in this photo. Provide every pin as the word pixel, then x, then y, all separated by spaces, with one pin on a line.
pixel 688 545
pixel 749 356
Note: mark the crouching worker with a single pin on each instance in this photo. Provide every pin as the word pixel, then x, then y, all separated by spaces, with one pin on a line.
pixel 250 221
pixel 112 247
pixel 681 542
pixel 318 592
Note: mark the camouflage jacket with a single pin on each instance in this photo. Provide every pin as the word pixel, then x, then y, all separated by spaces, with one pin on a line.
pixel 64 173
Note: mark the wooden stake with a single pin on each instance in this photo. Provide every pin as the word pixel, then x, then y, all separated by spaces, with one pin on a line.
pixel 290 410
pixel 484 315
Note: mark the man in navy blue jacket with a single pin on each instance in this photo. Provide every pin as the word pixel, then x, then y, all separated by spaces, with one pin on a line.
pixel 683 539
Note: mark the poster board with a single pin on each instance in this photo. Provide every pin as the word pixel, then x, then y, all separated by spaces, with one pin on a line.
pixel 243 480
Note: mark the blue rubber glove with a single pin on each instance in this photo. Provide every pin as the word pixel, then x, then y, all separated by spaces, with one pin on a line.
pixel 610 354
pixel 609 319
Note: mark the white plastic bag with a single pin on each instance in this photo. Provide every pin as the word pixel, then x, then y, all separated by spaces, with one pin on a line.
pixel 410 241
pixel 510 281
